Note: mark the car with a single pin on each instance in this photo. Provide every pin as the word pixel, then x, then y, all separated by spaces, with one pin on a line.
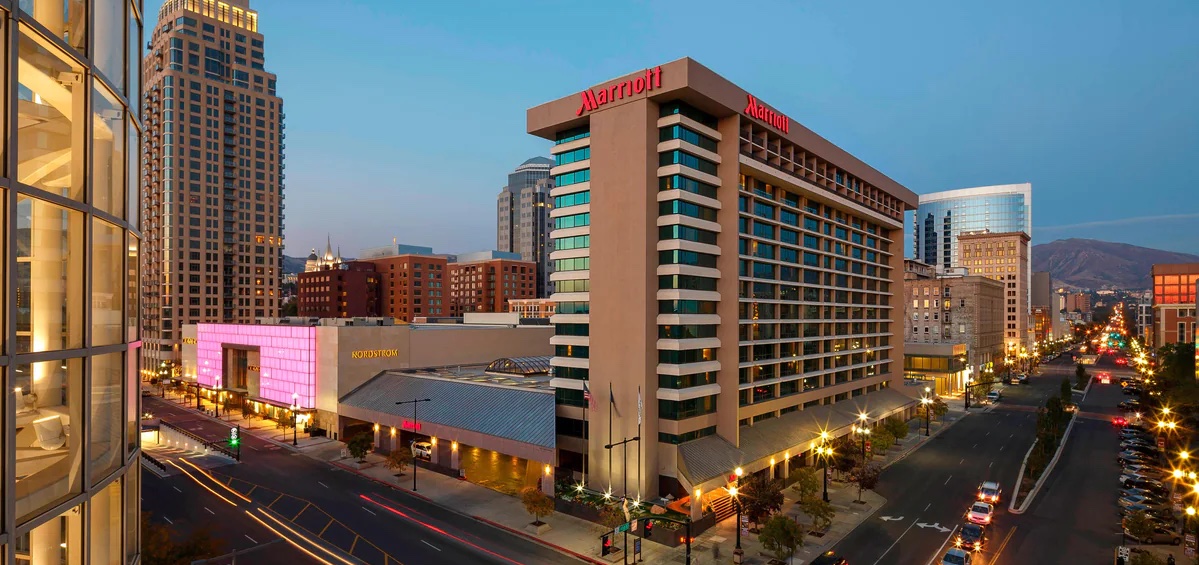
pixel 1145 450
pixel 1137 428
pixel 1158 514
pixel 1022 379
pixel 989 491
pixel 1138 439
pixel 971 537
pixel 1162 533
pixel 993 396
pixel 1140 500
pixel 1133 457
pixel 1143 492
pixel 1129 405
pixel 1121 361
pixel 829 558
pixel 422 449
pixel 1144 484
pixel 1147 471
pixel 980 513
pixel 1119 421
pixel 1131 390
pixel 956 556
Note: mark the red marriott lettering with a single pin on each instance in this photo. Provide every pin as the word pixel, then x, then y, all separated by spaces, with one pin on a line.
pixel 592 99
pixel 756 110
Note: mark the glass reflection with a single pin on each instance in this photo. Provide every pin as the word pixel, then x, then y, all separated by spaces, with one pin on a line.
pixel 104 532
pixel 107 417
pixel 49 410
pixel 57 542
pixel 108 152
pixel 50 103
pixel 49 277
pixel 108 278
pixel 66 19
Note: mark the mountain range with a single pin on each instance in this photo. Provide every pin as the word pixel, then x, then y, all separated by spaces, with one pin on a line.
pixel 1090 263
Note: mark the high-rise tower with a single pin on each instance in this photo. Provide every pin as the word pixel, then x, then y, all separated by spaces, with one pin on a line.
pixel 68 352
pixel 523 223
pixel 214 173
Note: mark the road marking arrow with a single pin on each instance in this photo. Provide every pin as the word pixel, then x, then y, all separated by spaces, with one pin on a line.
pixel 923 525
pixel 891 518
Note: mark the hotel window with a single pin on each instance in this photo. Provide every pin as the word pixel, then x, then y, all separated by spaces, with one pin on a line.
pixel 685 159
pixel 685 134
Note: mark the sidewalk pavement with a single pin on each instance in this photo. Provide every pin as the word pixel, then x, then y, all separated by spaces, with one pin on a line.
pixel 269 430
pixel 581 539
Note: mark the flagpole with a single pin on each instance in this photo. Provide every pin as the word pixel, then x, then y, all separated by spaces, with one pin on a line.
pixel 586 435
pixel 610 398
pixel 638 442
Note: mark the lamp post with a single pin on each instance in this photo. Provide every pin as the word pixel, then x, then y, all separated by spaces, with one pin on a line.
pixel 928 405
pixel 862 432
pixel 295 398
pixel 415 427
pixel 967 392
pixel 737 506
pixel 824 452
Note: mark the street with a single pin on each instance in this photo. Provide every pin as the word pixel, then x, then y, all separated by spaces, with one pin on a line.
pixel 362 518
pixel 929 492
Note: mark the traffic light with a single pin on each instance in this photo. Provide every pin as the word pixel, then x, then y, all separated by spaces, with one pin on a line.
pixel 234 436
pixel 649 528
pixel 606 548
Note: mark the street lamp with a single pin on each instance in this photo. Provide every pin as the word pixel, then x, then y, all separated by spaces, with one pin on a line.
pixel 968 380
pixel 824 453
pixel 415 428
pixel 294 406
pixel 862 432
pixel 928 404
pixel 737 506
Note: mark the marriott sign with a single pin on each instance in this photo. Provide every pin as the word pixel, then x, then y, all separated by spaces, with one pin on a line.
pixel 593 99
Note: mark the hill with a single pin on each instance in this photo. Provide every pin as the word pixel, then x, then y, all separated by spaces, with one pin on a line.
pixel 294 264
pixel 1090 263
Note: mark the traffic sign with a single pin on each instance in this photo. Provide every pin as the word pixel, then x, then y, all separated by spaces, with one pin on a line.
pixel 868 447
pixel 622 528
pixel 636 545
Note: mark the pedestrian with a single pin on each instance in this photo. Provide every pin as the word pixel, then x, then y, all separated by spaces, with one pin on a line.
pixel 716 551
pixel 1170 560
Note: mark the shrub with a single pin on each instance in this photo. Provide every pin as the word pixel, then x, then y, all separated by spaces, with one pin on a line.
pixel 537 503
pixel 897 427
pixel 359 445
pixel 781 536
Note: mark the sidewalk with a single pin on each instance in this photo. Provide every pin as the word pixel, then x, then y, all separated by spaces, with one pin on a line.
pixel 581 539
pixel 269 430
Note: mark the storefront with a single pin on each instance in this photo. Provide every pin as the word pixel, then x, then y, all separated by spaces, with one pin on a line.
pixel 941 367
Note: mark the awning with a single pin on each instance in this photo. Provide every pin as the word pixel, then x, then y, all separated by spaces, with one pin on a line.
pixel 713 457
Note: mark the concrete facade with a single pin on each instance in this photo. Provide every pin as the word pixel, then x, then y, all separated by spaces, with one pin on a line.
pixel 1003 257
pixel 967 310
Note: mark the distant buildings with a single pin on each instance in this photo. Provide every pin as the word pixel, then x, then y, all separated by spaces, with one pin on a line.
pixel 409 282
pixel 1144 319
pixel 943 216
pixel 532 307
pixel 523 217
pixel 1005 258
pixel 1174 302
pixel 1078 302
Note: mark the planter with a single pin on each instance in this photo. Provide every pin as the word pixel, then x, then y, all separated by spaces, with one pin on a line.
pixel 537 528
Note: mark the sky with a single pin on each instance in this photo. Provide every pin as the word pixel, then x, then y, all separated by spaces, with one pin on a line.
pixel 404 117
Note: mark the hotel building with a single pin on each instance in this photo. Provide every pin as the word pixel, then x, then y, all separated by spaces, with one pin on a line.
pixel 724 280
pixel 213 173
pixel 69 351
pixel 1005 258
pixel 1174 303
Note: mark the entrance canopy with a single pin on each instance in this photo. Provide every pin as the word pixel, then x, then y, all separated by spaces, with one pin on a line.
pixel 510 419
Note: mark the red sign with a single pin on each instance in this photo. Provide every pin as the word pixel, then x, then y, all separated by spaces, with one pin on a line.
pixel 409 425
pixel 592 99
pixel 758 111
pixel 867 447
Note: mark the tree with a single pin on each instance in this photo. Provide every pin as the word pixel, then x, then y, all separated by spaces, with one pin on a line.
pixel 880 441
pixel 897 427
pixel 160 548
pixel 867 478
pixel 359 445
pixel 940 409
pixel 1066 392
pixel 1145 558
pixel 1080 376
pixel 760 497
pixel 807 483
pixel 398 460
pixel 820 512
pixel 1139 525
pixel 611 516
pixel 537 503
pixel 781 535
pixel 290 308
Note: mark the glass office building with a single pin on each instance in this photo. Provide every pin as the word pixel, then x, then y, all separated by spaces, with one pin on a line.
pixel 68 352
pixel 943 216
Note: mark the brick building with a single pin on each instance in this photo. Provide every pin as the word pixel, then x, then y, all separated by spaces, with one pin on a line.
pixel 344 290
pixel 957 309
pixel 1003 257
pixel 486 281
pixel 1174 302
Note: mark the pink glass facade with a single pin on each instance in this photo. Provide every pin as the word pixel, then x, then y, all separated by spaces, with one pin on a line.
pixel 287 358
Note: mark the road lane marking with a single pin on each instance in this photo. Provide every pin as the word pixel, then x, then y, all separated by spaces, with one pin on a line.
pixel 962 461
pixel 892 546
pixel 973 446
pixel 926 507
pixel 252 540
pixel 989 464
pixel 937 555
pixel 1011 436
pixel 168 520
pixel 176 489
pixel 369 510
pixel 430 545
pixel 1001 447
pixel 947 480
pixel 988 433
pixel 210 511
pixel 322 484
pixel 1006 539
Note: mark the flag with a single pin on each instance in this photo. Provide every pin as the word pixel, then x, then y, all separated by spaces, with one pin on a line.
pixel 638 406
pixel 587 396
pixel 612 401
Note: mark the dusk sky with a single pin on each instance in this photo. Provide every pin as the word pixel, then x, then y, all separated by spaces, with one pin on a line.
pixel 403 118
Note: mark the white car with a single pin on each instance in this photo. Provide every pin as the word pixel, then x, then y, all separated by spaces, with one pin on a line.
pixel 989 491
pixel 993 396
pixel 980 513
pixel 956 556
pixel 422 449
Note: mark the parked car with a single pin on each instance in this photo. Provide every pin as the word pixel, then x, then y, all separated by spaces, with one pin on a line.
pixel 1144 484
pixel 829 558
pixel 1141 500
pixel 1144 492
pixel 993 396
pixel 1131 457
pixel 1022 379
pixel 1141 448
pixel 971 537
pixel 422 449
pixel 1148 471
pixel 1130 405
pixel 1119 421
pixel 957 556
pixel 980 513
pixel 1158 514
pixel 1162 533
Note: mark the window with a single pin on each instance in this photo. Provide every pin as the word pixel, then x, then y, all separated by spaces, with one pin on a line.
pixel 574 221
pixel 683 409
pixel 687 209
pixel 680 182
pixel 570 135
pixel 576 177
pixel 685 159
pixel 677 107
pixel 580 154
pixel 575 199
pixel 686 134
pixel 688 233
pixel 683 257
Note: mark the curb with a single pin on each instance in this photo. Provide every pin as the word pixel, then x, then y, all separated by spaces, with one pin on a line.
pixel 384 483
pixel 1085 389
pixel 905 454
pixel 540 541
pixel 1045 475
pixel 212 418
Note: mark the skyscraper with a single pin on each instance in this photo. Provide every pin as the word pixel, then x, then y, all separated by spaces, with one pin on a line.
pixel 69 350
pixel 942 216
pixel 523 223
pixel 214 178
pixel 727 284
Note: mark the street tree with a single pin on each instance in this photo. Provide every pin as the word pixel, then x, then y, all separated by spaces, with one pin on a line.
pixel 1066 391
pixel 880 441
pixel 398 460
pixel 897 427
pixel 611 516
pixel 1146 558
pixel 1139 525
pixel 940 409
pixel 359 445
pixel 807 483
pixel 1080 376
pixel 761 497
pixel 536 503
pixel 781 536
pixel 867 478
pixel 820 512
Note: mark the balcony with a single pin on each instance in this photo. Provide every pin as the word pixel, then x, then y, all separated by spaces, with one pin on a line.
pixel 230 207
pixel 230 194
pixel 231 151
pixel 230 130
pixel 230 119
pixel 229 229
pixel 230 174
